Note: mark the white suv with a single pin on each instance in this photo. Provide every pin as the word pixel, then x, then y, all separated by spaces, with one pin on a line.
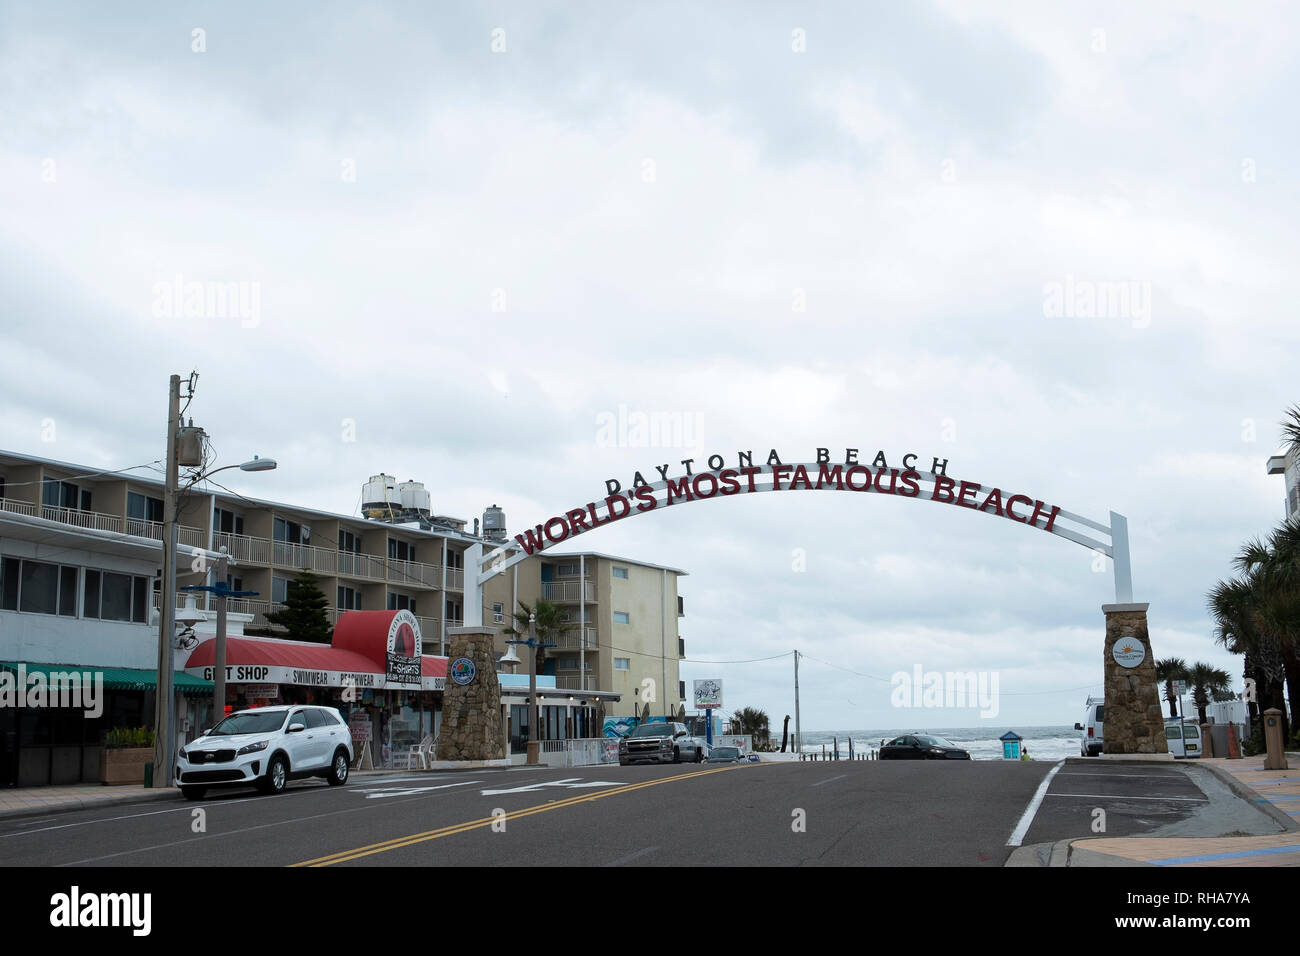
pixel 267 747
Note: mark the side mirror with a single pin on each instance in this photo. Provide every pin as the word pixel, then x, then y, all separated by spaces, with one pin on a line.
pixel 1078 726
pixel 297 728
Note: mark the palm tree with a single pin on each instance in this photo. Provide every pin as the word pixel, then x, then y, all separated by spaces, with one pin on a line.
pixel 1168 671
pixel 749 720
pixel 1272 568
pixel 1206 681
pixel 1236 608
pixel 550 623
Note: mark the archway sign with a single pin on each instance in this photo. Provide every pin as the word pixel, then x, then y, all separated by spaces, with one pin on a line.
pixel 1134 721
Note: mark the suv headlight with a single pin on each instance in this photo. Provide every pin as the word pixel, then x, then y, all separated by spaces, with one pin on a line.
pixel 665 744
pixel 184 755
pixel 252 748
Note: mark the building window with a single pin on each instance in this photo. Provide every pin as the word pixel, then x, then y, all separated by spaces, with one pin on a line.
pixel 681 606
pixel 622 663
pixel 143 507
pixel 681 690
pixel 455 559
pixel 454 611
pixel 620 573
pixel 566 664
pixel 349 542
pixel 620 617
pixel 227 522
pixel 113 596
pixel 400 602
pixel 498 613
pixel 399 550
pixel 64 494
pixel 288 531
pixel 279 590
pixel 567 570
pixel 349 599
pixel 38 587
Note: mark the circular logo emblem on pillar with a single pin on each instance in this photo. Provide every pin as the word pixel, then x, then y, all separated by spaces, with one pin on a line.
pixel 1128 652
pixel 463 670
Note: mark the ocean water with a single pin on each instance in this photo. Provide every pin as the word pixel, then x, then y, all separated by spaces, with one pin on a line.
pixel 1043 743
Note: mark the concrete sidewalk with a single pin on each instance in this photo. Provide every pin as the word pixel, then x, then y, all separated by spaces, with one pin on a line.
pixel 36 801
pixel 1275 792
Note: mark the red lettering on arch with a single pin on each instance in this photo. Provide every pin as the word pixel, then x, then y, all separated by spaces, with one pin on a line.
pixel 578 520
pixel 995 496
pixel 825 474
pixel 1011 511
pixel 943 486
pixel 531 540
pixel 680 489
pixel 564 526
pixel 861 470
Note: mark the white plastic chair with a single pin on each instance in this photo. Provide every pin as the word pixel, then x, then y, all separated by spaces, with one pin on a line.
pixel 422 750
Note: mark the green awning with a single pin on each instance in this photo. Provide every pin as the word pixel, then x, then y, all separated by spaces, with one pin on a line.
pixel 122 678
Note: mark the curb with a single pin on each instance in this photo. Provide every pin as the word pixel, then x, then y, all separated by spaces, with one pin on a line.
pixel 1253 797
pixel 76 803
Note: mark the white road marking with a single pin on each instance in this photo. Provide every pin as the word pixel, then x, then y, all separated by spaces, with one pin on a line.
pixel 632 856
pixel 1018 834
pixel 1121 797
pixel 569 783
pixel 829 780
pixel 378 793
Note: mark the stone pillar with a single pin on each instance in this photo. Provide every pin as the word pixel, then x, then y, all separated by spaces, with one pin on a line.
pixel 1134 722
pixel 471 712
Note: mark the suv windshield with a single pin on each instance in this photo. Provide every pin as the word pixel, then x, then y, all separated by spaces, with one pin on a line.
pixel 726 752
pixel 657 729
pixel 249 723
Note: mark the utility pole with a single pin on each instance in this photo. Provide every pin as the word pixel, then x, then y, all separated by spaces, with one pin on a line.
pixel 798 735
pixel 219 668
pixel 163 749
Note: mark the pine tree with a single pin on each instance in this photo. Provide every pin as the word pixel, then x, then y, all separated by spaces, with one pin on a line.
pixel 303 615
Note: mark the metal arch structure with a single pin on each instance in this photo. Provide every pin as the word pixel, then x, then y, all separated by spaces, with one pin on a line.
pixel 1110 539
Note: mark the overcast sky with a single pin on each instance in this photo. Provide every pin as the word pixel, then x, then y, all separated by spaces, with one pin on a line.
pixel 469 231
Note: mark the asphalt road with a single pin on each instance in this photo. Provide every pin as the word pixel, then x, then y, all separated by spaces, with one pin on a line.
pixel 928 813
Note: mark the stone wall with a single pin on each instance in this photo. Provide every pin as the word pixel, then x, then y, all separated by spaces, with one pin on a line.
pixel 1134 721
pixel 471 713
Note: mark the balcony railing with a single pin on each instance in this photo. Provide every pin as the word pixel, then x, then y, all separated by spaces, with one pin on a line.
pixel 303 557
pixel 17 507
pixel 456 578
pixel 414 572
pixel 565 682
pixel 243 548
pixel 568 591
pixel 574 641
pixel 368 566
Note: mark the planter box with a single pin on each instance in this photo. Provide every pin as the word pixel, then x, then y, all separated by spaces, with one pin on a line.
pixel 124 765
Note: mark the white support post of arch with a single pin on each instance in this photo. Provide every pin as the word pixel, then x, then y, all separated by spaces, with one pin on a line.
pixel 1119 558
pixel 473 586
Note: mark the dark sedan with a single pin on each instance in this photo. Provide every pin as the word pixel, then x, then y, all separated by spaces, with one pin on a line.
pixel 922 747
pixel 726 755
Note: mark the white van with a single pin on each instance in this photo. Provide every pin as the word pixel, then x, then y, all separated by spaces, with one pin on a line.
pixel 1183 737
pixel 1091 740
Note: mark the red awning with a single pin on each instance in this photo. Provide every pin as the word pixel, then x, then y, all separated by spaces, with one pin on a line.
pixel 278 653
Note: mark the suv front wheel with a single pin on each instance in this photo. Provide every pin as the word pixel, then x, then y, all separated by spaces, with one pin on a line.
pixel 277 776
pixel 338 774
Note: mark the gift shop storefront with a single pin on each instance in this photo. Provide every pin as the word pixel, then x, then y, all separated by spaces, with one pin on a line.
pixel 374 672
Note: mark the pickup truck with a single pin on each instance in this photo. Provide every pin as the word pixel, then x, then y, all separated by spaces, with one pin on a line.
pixel 660 742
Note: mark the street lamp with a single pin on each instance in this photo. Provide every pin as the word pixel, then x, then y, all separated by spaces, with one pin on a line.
pixel 532 644
pixel 164 761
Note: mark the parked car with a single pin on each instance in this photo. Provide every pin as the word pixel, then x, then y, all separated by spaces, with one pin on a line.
pixel 660 742
pixel 922 747
pixel 726 755
pixel 1091 740
pixel 1183 737
pixel 266 748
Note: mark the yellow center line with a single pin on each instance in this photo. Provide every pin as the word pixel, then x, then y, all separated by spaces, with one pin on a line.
pixel 397 843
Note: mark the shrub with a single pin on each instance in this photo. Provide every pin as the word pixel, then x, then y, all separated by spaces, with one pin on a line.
pixel 121 737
